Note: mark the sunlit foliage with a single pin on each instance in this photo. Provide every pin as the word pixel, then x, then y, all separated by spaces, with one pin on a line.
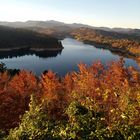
pixel 118 43
pixel 97 102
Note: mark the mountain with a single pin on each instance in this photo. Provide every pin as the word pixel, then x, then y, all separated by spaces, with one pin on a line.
pixel 42 24
pixel 62 27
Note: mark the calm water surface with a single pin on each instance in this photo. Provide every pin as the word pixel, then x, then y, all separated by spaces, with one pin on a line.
pixel 74 52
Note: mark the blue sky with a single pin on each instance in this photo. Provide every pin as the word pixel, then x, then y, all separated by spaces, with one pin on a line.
pixel 109 13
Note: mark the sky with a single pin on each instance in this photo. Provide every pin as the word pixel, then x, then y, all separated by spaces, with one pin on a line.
pixel 100 13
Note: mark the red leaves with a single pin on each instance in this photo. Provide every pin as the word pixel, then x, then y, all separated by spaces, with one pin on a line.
pixel 4 79
pixel 112 90
pixel 15 97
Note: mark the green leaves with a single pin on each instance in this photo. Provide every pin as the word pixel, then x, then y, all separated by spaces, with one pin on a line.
pixel 93 104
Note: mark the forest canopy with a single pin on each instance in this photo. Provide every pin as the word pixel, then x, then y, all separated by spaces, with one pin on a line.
pixel 96 102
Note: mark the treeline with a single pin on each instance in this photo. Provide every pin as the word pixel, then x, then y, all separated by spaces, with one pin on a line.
pixel 111 40
pixel 21 52
pixel 97 102
pixel 12 38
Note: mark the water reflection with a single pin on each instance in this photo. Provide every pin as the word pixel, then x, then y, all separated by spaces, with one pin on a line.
pixel 23 52
pixel 61 62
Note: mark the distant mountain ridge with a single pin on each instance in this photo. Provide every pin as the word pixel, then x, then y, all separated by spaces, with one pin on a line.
pixel 65 27
pixel 45 24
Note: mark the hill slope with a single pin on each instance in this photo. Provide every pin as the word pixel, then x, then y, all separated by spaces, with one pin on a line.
pixel 114 42
pixel 11 38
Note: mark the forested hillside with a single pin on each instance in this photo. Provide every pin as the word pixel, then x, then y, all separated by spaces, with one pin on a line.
pixel 11 38
pixel 125 44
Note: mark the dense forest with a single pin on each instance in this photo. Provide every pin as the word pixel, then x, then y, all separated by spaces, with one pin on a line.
pixel 12 38
pixel 96 103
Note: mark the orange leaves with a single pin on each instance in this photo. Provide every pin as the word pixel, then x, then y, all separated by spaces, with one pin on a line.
pixel 25 82
pixel 51 85
pixel 68 85
pixel 110 87
pixel 88 80
pixel 54 95
pixel 113 90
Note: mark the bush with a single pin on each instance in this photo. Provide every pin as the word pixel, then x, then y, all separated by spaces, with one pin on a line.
pixel 2 134
pixel 81 124
pixel 34 125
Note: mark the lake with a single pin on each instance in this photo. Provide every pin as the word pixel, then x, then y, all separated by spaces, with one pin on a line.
pixel 61 62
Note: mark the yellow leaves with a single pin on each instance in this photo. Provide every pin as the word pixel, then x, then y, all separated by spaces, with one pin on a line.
pixel 112 110
pixel 123 116
pixel 138 97
pixel 123 102
pixel 105 95
pixel 102 119
pixel 97 89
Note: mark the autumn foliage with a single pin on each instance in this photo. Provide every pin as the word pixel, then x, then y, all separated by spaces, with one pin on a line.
pixel 115 42
pixel 15 96
pixel 110 92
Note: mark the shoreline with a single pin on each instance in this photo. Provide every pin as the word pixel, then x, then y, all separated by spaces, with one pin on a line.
pixel 110 48
pixel 118 51
pixel 30 49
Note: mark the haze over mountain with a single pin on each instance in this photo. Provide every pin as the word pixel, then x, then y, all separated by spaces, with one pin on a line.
pixel 61 26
